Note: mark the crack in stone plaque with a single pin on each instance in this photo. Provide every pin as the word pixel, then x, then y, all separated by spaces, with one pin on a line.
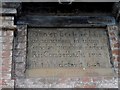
pixel 67 48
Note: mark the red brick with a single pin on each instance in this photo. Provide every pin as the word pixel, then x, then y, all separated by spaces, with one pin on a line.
pixel 116 52
pixel 117 45
pixel 5 61
pixel 0 82
pixel 96 79
pixel 9 33
pixel 112 33
pixel 3 82
pixel 5 53
pixel 113 58
pixel 86 79
pixel 89 86
pixel 8 39
pixel 118 58
pixel 113 39
pixel 5 68
pixel 6 75
pixel 6 64
pixel 7 46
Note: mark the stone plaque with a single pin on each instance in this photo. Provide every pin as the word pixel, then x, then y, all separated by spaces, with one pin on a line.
pixel 67 48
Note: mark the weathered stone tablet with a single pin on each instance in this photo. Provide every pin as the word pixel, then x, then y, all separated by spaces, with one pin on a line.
pixel 68 52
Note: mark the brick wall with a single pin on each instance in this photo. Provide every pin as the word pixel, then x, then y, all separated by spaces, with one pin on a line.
pixel 115 45
pixel 85 82
pixel 61 82
pixel 7 58
pixel 6 42
pixel 6 48
pixel 17 57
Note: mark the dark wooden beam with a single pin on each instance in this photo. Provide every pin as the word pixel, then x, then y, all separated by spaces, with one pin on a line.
pixel 66 21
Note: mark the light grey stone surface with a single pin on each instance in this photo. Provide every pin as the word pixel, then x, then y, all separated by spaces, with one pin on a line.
pixel 19 58
pixel 71 47
pixel 66 83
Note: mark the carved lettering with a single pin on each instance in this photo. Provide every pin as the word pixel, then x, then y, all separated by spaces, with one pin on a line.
pixel 67 47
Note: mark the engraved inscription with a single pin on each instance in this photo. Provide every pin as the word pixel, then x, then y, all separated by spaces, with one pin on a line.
pixel 67 47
